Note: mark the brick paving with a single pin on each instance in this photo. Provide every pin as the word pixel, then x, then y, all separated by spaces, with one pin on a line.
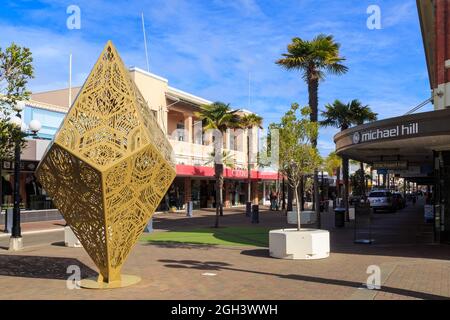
pixel 411 266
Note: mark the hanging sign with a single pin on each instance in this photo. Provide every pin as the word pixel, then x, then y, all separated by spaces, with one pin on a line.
pixel 390 165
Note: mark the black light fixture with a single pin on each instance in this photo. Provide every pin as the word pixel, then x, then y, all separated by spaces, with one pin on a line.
pixel 15 242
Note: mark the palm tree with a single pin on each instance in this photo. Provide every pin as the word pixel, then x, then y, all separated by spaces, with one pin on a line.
pixel 218 117
pixel 314 59
pixel 362 114
pixel 248 122
pixel 340 116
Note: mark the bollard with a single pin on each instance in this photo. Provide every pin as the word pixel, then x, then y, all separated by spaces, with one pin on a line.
pixel 189 206
pixel 149 226
pixel 248 209
pixel 8 220
pixel 255 213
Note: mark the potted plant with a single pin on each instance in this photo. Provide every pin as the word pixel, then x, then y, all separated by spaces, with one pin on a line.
pixel 298 158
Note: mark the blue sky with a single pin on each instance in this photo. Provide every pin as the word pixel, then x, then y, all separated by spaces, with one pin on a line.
pixel 208 48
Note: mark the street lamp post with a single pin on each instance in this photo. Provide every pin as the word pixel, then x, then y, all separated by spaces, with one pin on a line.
pixel 15 242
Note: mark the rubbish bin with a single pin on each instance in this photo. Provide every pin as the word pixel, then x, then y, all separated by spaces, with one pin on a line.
pixel 248 209
pixel 255 213
pixel 339 217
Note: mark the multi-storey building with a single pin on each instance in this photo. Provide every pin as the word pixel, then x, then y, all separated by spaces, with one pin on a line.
pixel 175 111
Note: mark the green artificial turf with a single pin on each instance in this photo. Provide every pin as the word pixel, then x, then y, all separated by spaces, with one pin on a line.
pixel 228 236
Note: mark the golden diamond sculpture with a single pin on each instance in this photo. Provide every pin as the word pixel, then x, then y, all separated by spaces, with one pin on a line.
pixel 108 167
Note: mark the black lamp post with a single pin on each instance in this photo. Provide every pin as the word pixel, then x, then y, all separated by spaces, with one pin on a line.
pixel 15 242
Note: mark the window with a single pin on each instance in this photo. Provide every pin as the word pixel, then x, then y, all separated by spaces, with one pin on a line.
pixel 180 131
pixel 233 141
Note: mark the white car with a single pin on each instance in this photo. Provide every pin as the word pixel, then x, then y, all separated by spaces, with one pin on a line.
pixel 381 200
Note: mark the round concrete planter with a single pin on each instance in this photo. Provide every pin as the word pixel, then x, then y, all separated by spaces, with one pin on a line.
pixel 306 217
pixel 306 244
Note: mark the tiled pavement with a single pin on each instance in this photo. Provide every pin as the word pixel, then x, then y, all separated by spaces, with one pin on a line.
pixel 411 266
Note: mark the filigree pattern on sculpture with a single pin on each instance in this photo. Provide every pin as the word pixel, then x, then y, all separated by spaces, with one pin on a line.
pixel 109 165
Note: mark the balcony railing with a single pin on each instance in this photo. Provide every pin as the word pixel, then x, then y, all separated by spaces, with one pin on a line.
pixel 198 155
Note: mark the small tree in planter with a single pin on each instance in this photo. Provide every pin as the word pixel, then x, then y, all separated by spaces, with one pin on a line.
pixel 297 156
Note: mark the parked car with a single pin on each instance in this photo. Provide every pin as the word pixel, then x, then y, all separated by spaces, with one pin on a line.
pixel 399 200
pixel 381 200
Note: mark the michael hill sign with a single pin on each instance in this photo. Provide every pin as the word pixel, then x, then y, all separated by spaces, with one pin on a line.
pixel 411 137
pixel 385 133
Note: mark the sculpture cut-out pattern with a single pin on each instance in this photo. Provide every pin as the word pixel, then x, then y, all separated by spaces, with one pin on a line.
pixel 109 165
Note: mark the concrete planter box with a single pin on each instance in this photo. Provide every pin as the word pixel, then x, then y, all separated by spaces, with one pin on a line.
pixel 306 217
pixel 70 240
pixel 351 213
pixel 306 244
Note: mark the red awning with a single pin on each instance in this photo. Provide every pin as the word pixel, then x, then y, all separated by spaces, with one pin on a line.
pixel 200 171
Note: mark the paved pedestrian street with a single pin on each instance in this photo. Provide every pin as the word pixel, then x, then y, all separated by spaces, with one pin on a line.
pixel 411 266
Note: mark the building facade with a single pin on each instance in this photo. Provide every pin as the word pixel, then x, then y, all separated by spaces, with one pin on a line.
pixel 416 147
pixel 175 111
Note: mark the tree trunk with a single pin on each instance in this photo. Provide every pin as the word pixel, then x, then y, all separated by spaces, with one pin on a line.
pixel 249 168
pixel 218 172
pixel 299 225
pixel 221 192
pixel 216 225
pixel 283 206
pixel 313 90
pixel 218 168
pixel 290 196
pixel 346 186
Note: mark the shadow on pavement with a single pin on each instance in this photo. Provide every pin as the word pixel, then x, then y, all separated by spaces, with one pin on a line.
pixel 41 267
pixel 261 253
pixel 217 266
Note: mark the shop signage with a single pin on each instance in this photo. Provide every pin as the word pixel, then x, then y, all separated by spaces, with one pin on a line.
pixel 393 132
pixel 24 165
pixel 390 165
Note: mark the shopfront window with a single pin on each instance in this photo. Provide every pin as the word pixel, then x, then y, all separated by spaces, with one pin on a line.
pixel 32 195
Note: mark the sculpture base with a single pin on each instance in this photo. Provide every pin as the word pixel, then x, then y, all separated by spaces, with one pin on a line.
pixel 93 283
